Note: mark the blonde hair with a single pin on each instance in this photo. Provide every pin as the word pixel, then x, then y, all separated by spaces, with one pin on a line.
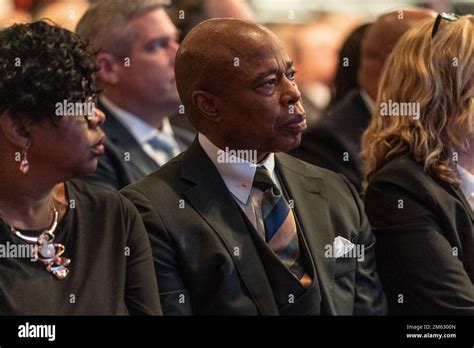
pixel 438 74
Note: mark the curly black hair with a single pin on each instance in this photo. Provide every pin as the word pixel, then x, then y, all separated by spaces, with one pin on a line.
pixel 40 65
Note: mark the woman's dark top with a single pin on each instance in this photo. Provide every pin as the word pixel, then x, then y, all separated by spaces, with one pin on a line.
pixel 111 270
pixel 424 240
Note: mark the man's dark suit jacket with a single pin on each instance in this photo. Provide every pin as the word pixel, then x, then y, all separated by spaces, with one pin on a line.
pixel 124 160
pixel 337 132
pixel 195 226
pixel 425 245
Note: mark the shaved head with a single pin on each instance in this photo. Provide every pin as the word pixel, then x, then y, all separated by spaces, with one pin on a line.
pixel 238 86
pixel 211 55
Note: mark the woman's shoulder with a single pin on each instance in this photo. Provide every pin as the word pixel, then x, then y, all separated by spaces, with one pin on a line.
pixel 402 168
pixel 95 195
pixel 404 174
pixel 85 188
pixel 401 191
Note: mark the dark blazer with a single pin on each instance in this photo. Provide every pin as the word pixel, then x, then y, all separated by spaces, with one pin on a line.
pixel 337 132
pixel 195 227
pixel 425 245
pixel 124 161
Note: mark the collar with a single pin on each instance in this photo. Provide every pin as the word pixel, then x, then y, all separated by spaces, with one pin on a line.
pixel 237 175
pixel 467 186
pixel 368 101
pixel 142 131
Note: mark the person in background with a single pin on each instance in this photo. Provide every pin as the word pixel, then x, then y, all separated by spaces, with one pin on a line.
pixel 11 12
pixel 316 47
pixel 414 200
pixel 65 13
pixel 80 249
pixel 334 141
pixel 186 14
pixel 136 43
pixel 348 65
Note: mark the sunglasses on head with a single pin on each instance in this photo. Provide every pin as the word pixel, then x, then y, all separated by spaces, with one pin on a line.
pixel 447 16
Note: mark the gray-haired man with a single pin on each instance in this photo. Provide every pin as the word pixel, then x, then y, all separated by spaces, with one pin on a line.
pixel 136 44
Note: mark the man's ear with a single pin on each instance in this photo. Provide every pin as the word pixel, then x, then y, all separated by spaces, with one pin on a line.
pixel 109 70
pixel 15 131
pixel 205 104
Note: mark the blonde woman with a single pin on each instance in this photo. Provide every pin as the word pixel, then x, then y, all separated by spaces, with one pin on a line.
pixel 414 200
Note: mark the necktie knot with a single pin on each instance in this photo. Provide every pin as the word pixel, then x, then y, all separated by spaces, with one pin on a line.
pixel 263 181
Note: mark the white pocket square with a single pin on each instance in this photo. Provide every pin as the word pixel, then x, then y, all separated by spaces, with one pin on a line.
pixel 342 246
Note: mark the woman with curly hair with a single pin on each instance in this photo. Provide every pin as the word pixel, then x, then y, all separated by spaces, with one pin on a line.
pixel 66 247
pixel 414 199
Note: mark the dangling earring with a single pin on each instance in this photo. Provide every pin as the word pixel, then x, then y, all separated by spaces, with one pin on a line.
pixel 24 164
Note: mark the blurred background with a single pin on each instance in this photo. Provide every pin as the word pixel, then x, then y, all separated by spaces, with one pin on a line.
pixel 317 34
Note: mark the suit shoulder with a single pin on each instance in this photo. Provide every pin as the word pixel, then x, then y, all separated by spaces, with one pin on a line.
pixel 331 179
pixel 158 180
pixel 304 168
pixel 342 198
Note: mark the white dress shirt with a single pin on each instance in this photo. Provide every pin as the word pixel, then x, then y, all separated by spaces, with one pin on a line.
pixel 142 132
pixel 467 186
pixel 238 177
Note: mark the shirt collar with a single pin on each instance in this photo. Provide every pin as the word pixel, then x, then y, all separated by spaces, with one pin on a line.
pixel 142 131
pixel 237 175
pixel 467 182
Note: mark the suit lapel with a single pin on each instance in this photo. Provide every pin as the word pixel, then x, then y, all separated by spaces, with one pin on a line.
pixel 312 212
pixel 212 200
pixel 122 138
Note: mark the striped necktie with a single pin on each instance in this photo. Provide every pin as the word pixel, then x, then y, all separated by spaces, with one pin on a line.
pixel 280 227
pixel 163 145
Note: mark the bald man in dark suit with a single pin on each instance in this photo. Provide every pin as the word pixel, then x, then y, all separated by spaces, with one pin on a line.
pixel 236 227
